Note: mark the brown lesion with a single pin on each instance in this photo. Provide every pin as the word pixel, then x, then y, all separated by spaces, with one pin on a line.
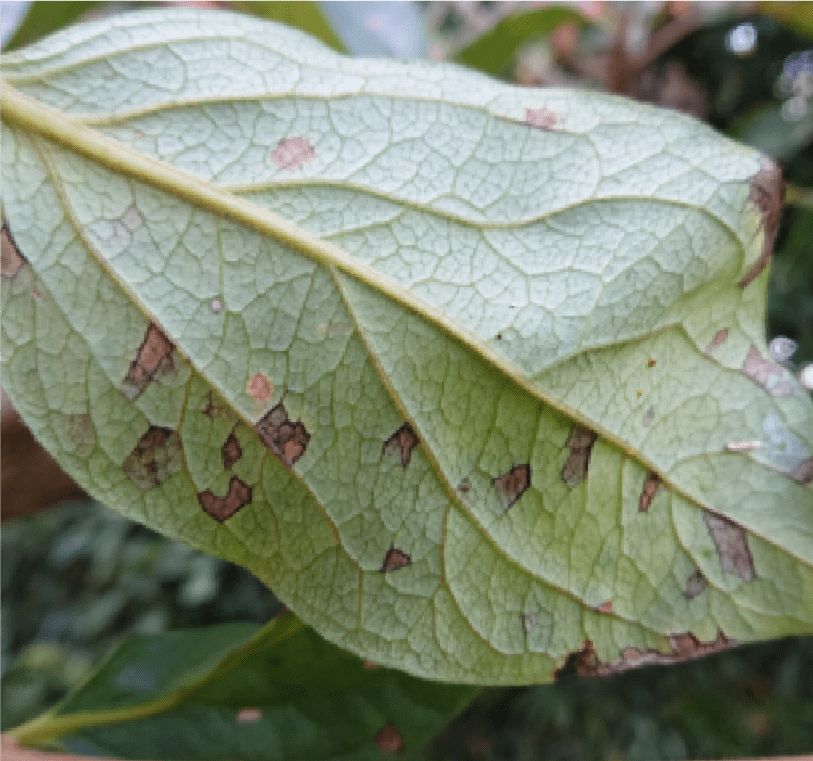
pixel 231 451
pixel 394 560
pixel 285 438
pixel 155 457
pixel 731 543
pixel 696 584
pixel 11 258
pixel 766 373
pixel 400 444
pixel 154 355
pixel 651 485
pixel 768 195
pixel 580 442
pixel 222 508
pixel 803 472
pixel 720 337
pixel 512 484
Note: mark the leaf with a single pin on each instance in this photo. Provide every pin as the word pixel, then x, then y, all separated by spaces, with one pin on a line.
pixel 241 691
pixel 470 393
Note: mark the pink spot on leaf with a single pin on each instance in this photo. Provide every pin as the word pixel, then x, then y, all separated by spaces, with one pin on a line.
pixel 293 153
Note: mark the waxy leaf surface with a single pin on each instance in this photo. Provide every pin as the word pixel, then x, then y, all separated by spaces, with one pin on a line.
pixel 474 376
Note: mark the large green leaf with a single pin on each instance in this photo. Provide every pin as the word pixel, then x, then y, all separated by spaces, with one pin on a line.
pixel 238 691
pixel 362 326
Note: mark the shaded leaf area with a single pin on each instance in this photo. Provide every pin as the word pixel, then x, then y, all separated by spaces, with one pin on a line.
pixel 43 18
pixel 552 313
pixel 238 691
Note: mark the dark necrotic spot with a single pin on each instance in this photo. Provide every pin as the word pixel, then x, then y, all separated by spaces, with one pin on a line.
pixel 695 584
pixel 580 442
pixel 394 559
pixel 11 260
pixel 222 508
pixel 651 485
pixel 231 451
pixel 731 543
pixel 400 445
pixel 512 484
pixel 154 353
pixel 155 457
pixel 286 439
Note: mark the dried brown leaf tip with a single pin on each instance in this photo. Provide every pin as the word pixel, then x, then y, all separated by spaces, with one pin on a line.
pixel 389 739
pixel 154 354
pixel 286 439
pixel 695 584
pixel 11 260
pixel 231 451
pixel 542 117
pixel 768 195
pixel 394 560
pixel 400 445
pixel 222 508
pixel 766 373
pixel 803 472
pixel 293 153
pixel 651 485
pixel 720 337
pixel 580 442
pixel 512 484
pixel 155 457
pixel 731 543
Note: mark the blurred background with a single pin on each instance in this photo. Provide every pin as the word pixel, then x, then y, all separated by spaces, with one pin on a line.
pixel 77 579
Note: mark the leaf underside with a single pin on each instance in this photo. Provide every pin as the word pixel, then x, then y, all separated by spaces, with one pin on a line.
pixel 527 410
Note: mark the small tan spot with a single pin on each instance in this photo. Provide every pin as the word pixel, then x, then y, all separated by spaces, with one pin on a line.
pixel 605 607
pixel 768 195
pixel 731 543
pixel 394 560
pixel 542 117
pixel 651 485
pixel 11 260
pixel 260 388
pixel 763 372
pixel 389 739
pixel 286 439
pixel 651 362
pixel 720 337
pixel 155 457
pixel 216 306
pixel 803 472
pixel 222 508
pixel 293 153
pixel 154 354
pixel 249 715
pixel 400 445
pixel 35 293
pixel 639 393
pixel 580 442
pixel 512 484
pixel 231 451
pixel 695 584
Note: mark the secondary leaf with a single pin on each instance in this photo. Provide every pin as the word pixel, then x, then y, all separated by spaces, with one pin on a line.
pixel 238 691
pixel 474 376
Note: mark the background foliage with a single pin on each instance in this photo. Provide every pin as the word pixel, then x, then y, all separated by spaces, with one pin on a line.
pixel 77 579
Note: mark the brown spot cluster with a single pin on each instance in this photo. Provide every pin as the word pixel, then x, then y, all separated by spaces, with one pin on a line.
pixel 768 195
pixel 222 508
pixel 720 337
pixel 155 457
pixel 400 445
pixel 286 439
pixel 293 153
pixel 394 560
pixel 731 543
pixel 11 260
pixel 649 491
pixel 762 371
pixel 580 442
pixel 543 118
pixel 154 354
pixel 512 484
pixel 684 647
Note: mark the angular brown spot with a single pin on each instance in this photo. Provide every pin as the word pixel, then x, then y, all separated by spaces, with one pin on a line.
pixel 287 440
pixel 768 195
pixel 154 354
pixel 512 484
pixel 542 117
pixel 222 508
pixel 605 607
pixel 389 739
pixel 695 584
pixel 11 260
pixel 293 152
pixel 720 337
pixel 155 457
pixel 580 442
pixel 400 445
pixel 803 472
pixel 394 559
pixel 231 451
pixel 259 387
pixel 651 485
pixel 464 487
pixel 651 362
pixel 249 715
pixel 731 543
